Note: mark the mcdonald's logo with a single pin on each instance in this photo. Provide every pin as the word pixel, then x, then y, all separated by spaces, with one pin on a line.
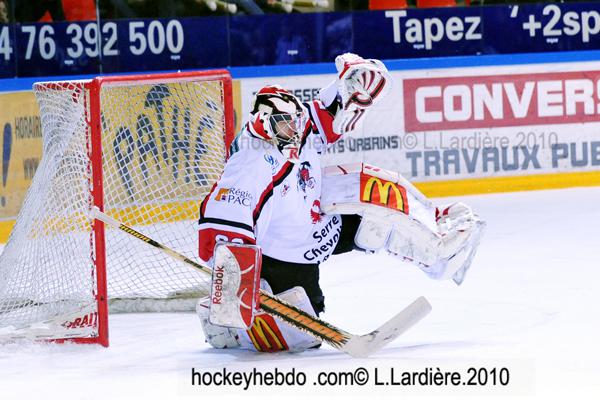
pixel 381 192
pixel 265 334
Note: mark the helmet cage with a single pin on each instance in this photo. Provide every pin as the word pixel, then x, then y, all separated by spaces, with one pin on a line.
pixel 286 128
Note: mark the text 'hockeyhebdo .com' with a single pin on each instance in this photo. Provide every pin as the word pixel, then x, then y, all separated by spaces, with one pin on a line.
pixel 512 378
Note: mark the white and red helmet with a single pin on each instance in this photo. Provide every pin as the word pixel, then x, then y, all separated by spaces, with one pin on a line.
pixel 277 116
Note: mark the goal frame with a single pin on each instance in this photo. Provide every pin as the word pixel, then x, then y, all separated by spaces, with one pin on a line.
pixel 94 144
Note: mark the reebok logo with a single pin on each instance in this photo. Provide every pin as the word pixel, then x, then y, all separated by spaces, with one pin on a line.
pixel 217 294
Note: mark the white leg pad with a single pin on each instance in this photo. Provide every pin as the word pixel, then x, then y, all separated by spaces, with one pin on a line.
pixel 267 334
pixel 400 219
pixel 461 232
pixel 219 337
pixel 414 241
pixel 271 335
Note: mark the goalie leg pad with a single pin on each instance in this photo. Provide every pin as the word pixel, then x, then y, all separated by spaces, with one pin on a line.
pixel 266 334
pixel 395 215
pixel 413 241
pixel 219 337
pixel 461 232
pixel 235 285
pixel 400 219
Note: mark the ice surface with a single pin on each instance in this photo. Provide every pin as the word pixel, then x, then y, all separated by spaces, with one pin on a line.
pixel 530 303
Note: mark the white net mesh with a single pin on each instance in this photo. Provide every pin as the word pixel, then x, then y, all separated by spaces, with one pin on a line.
pixel 163 148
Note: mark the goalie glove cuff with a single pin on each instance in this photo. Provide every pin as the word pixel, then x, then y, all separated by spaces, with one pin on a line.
pixel 330 98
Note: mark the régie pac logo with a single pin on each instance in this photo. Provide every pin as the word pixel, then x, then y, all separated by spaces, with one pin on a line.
pixel 234 196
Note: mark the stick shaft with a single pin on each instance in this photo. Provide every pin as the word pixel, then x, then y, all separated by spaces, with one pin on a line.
pixel 178 256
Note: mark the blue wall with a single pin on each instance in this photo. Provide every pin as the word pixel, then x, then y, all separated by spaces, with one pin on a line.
pixel 119 46
pixel 17 84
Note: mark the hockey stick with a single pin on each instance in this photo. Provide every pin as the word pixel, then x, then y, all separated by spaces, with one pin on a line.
pixel 354 345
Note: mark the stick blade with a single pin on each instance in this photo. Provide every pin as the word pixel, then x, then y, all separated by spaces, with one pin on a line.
pixel 365 345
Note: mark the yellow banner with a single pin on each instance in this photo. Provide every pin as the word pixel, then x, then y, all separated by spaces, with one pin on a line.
pixel 237 105
pixel 21 146
pixel 21 141
pixel 161 143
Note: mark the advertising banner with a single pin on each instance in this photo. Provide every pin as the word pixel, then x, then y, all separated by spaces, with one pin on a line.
pixel 128 45
pixel 8 66
pixel 467 123
pixel 89 47
pixel 452 31
pixel 438 127
pixel 21 144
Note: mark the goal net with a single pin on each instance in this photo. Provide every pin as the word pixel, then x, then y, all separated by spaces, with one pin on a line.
pixel 146 149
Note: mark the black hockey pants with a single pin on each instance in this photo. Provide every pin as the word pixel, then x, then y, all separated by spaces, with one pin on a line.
pixel 283 275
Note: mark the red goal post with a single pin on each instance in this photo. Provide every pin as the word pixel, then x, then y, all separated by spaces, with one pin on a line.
pixel 144 148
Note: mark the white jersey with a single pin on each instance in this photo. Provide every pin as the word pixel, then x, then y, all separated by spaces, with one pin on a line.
pixel 265 199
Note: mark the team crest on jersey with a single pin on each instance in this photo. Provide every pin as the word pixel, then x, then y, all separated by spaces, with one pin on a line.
pixel 273 162
pixel 304 178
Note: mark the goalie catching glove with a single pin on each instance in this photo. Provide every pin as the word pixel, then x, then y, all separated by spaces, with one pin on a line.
pixel 361 83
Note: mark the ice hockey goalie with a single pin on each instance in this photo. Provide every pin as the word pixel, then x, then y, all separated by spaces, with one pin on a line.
pixel 275 197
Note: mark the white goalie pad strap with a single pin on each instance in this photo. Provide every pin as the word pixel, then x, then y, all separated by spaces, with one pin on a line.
pixel 234 297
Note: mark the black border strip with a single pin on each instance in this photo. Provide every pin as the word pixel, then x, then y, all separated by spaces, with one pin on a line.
pixel 226 223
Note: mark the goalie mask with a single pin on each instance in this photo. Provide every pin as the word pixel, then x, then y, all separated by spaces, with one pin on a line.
pixel 278 117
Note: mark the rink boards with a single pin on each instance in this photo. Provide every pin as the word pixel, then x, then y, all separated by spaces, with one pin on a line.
pixel 476 129
pixel 453 126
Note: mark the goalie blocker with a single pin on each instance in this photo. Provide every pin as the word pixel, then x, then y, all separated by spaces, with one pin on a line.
pixel 235 285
